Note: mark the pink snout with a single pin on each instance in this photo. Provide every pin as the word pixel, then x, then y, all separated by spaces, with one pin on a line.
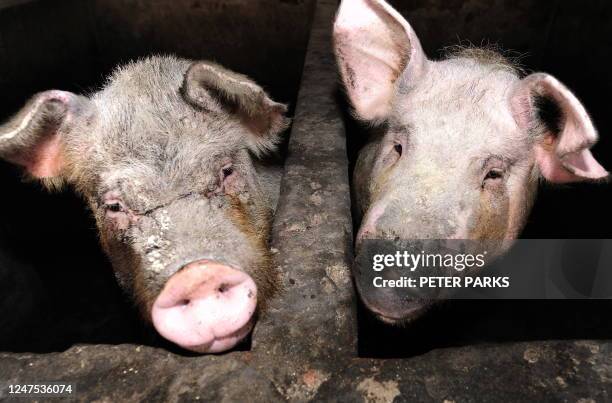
pixel 206 307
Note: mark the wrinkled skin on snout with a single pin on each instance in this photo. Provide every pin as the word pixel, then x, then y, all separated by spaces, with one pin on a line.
pixel 165 156
pixel 458 146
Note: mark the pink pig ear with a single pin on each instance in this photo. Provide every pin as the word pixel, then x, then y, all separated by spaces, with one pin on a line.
pixel 33 138
pixel 374 45
pixel 562 156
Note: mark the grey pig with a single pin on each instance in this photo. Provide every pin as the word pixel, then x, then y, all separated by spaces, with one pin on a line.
pixel 165 155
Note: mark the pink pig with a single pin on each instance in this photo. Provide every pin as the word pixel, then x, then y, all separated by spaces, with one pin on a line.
pixel 459 144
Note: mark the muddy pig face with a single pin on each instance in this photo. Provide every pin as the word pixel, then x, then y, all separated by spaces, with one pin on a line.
pixel 459 144
pixel 163 156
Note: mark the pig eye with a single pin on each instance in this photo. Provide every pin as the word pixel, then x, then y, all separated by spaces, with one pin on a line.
pixel 495 168
pixel 392 154
pixel 227 178
pixel 227 171
pixel 493 176
pixel 114 207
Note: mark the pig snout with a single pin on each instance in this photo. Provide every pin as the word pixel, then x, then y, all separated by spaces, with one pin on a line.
pixel 206 307
pixel 396 216
pixel 392 306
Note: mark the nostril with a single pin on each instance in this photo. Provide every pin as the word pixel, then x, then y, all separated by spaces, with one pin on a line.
pixel 206 307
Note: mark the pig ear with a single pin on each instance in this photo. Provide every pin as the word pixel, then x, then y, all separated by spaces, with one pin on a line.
pixel 207 85
pixel 563 153
pixel 374 45
pixel 33 137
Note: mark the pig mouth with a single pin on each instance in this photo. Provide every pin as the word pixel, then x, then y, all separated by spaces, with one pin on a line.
pixel 206 307
pixel 221 344
pixel 390 306
pixel 402 319
pixel 396 314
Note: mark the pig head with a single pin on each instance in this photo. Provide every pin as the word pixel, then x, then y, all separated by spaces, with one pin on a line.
pixel 163 155
pixel 457 147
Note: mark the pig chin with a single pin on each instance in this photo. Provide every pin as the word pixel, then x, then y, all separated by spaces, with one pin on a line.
pixel 206 307
pixel 391 307
pixel 410 312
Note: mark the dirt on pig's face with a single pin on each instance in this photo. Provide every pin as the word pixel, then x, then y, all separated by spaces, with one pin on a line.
pixel 164 154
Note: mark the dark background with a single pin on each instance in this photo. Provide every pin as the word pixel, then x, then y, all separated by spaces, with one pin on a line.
pixel 63 291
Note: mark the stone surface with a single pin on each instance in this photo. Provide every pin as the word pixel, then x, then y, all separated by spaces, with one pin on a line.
pixel 312 229
pixel 537 371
